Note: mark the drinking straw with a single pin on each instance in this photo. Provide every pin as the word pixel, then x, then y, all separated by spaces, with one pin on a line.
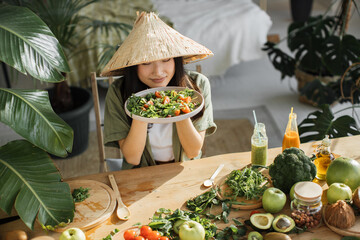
pixel 291 112
pixel 256 122
pixel 254 117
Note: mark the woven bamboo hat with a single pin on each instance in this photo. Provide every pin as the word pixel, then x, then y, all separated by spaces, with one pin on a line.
pixel 151 40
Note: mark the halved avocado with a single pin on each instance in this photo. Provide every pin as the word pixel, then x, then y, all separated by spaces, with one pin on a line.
pixel 255 236
pixel 261 221
pixel 283 223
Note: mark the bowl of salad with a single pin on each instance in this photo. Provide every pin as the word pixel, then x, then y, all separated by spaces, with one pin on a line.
pixel 164 104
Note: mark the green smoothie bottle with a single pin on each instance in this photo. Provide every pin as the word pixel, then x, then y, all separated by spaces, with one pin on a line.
pixel 259 145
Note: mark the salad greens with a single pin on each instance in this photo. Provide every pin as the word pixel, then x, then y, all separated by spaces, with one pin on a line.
pixel 162 104
pixel 248 183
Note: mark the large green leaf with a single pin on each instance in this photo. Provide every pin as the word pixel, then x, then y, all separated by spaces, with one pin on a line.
pixel 318 124
pixel 30 180
pixel 340 53
pixel 29 113
pixel 319 93
pixel 29 46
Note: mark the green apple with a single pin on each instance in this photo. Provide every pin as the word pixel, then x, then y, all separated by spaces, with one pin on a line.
pixel 177 225
pixel 191 230
pixel 273 200
pixel 338 191
pixel 73 234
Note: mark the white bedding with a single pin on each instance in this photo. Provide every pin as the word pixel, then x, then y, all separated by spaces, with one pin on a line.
pixel 235 30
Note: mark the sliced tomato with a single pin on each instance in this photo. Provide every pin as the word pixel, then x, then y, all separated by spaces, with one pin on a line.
pixel 157 94
pixel 185 109
pixel 166 100
pixel 187 99
pixel 177 112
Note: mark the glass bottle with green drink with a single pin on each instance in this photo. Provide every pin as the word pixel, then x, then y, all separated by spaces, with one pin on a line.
pixel 259 145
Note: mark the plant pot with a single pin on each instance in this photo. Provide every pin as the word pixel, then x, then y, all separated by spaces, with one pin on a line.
pixel 300 9
pixel 78 118
pixel 304 78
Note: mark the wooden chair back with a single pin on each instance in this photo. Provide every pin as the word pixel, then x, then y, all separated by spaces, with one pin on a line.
pixel 103 166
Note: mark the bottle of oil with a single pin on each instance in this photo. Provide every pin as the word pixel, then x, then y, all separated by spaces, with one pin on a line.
pixel 323 158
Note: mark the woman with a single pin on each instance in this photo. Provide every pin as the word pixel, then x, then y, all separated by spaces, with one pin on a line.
pixel 153 55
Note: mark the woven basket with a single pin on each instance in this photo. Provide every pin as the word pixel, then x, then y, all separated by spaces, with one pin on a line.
pixel 303 78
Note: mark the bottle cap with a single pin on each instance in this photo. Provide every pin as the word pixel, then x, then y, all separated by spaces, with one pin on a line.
pixel 308 191
pixel 326 142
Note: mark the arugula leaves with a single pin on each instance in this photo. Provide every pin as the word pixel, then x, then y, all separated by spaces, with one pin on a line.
pixel 246 183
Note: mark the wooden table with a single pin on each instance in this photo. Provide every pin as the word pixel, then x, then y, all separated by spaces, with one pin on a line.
pixel 168 186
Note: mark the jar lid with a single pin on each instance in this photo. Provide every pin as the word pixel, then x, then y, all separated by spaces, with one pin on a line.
pixel 308 191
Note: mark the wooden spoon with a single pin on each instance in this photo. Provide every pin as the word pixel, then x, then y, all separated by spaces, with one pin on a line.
pixel 122 211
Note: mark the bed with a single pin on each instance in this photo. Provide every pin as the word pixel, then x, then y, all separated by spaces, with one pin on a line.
pixel 235 30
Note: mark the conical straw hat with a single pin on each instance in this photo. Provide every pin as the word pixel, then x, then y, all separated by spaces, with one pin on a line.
pixel 151 40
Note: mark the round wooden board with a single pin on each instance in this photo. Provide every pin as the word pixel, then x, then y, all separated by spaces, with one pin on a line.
pixel 354 231
pixel 248 204
pixel 95 209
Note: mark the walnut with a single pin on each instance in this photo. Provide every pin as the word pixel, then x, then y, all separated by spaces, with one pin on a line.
pixel 340 215
pixel 356 198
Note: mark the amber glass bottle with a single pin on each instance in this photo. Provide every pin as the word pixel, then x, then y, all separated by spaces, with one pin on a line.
pixel 323 158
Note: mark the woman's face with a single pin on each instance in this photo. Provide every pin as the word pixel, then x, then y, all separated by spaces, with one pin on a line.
pixel 157 73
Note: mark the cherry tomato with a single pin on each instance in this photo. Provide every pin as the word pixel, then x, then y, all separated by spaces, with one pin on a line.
pixel 154 235
pixel 185 109
pixel 157 94
pixel 145 231
pixel 166 100
pixel 164 238
pixel 129 234
pixel 177 112
pixel 139 238
pixel 187 99
pixel 253 212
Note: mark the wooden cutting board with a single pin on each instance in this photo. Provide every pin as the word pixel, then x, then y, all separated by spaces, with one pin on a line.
pixel 95 209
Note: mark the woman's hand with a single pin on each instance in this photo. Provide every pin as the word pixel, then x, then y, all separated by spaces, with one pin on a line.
pixel 133 145
pixel 191 140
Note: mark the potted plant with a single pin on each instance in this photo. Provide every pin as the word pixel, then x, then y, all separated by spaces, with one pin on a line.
pixel 322 52
pixel 71 28
pixel 27 173
pixel 325 66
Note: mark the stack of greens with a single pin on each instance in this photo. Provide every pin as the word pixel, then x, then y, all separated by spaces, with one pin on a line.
pixel 162 104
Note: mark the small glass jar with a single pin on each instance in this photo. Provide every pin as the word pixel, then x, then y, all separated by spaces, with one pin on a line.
pixel 259 145
pixel 306 206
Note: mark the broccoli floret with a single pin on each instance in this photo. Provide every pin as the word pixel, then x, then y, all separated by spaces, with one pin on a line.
pixel 290 167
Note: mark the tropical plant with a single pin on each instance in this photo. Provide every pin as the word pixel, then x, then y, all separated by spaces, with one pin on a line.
pixel 29 180
pixel 71 28
pixel 321 48
pixel 321 123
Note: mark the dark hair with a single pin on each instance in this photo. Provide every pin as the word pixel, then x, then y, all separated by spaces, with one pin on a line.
pixel 132 83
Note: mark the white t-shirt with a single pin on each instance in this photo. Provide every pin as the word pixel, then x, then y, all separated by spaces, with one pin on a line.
pixel 160 137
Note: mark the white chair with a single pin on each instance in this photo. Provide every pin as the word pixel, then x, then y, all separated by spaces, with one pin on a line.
pixel 106 164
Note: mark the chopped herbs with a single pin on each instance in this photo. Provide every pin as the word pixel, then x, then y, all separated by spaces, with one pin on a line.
pixel 248 183
pixel 80 194
pixel 113 232
pixel 162 104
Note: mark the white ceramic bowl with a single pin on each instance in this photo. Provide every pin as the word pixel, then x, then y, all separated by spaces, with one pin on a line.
pixel 197 97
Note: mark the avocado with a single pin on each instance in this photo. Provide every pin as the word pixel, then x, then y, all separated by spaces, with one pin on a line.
pixel 276 236
pixel 255 236
pixel 283 223
pixel 261 221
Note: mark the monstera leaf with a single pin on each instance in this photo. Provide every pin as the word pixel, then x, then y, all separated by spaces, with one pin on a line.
pixel 319 93
pixel 21 108
pixel 28 45
pixel 318 124
pixel 30 180
pixel 340 53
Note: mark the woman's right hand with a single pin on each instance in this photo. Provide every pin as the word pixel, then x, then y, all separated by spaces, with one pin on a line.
pixel 133 145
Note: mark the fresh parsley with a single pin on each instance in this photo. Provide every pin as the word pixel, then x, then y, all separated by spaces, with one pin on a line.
pixel 80 194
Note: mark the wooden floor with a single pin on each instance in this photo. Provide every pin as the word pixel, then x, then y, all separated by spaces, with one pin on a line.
pixel 232 135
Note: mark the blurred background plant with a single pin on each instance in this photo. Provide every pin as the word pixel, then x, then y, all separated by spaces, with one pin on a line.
pixel 324 65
